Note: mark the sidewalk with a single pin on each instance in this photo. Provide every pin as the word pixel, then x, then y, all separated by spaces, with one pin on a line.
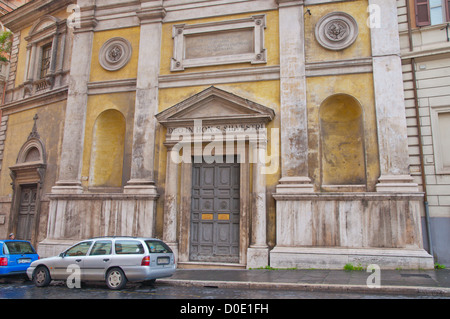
pixel 415 282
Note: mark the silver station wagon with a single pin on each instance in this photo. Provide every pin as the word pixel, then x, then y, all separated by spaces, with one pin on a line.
pixel 115 260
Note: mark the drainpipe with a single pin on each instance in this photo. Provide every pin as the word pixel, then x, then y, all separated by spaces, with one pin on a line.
pixel 419 130
pixel 422 166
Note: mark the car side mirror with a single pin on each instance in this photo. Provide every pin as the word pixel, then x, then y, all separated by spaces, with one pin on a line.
pixel 62 255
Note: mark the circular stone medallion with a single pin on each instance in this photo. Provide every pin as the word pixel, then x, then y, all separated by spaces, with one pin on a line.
pixel 336 31
pixel 115 54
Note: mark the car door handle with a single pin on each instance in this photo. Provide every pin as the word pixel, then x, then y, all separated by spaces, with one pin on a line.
pixel 78 260
pixel 106 260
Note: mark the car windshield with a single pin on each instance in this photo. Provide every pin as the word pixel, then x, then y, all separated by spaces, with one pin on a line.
pixel 156 246
pixel 19 247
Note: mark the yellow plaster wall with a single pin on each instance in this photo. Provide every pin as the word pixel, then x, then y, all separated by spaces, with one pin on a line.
pixel 122 102
pixel 108 149
pixel 342 141
pixel 129 71
pixel 50 126
pixel 360 48
pixel 360 86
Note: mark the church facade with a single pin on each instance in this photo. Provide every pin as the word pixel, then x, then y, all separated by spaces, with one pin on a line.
pixel 242 133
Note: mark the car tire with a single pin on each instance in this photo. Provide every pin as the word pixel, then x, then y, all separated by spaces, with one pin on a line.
pixel 115 279
pixel 41 277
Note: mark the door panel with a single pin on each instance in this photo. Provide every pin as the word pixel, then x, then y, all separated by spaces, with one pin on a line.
pixel 215 213
pixel 75 255
pixel 27 211
pixel 98 260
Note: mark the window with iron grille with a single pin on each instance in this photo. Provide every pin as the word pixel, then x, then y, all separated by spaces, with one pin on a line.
pixel 45 62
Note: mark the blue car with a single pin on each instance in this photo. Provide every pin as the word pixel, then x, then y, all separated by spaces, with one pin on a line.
pixel 16 256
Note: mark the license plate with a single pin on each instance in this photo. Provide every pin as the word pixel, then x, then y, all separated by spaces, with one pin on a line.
pixel 163 261
pixel 24 261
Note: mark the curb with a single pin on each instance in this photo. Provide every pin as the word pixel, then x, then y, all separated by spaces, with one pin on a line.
pixel 405 290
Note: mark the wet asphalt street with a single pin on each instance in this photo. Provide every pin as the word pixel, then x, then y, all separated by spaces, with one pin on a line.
pixel 18 288
pixel 180 302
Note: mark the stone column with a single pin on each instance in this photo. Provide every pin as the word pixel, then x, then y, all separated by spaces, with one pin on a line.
pixel 294 126
pixel 170 201
pixel 258 252
pixel 142 165
pixel 389 101
pixel 69 180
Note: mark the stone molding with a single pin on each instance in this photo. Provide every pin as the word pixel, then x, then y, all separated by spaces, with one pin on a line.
pixel 183 32
pixel 115 54
pixel 111 86
pixel 237 110
pixel 53 96
pixel 256 73
pixel 336 31
pixel 32 11
pixel 339 67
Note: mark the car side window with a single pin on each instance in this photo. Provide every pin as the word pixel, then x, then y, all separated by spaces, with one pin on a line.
pixel 80 249
pixel 101 247
pixel 156 246
pixel 126 247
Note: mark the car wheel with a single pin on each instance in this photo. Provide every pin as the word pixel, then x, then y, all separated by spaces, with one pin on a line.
pixel 115 279
pixel 41 277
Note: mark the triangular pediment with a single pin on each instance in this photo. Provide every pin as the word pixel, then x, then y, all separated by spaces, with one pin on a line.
pixel 215 105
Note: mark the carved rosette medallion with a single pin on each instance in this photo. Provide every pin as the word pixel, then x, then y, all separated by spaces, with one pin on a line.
pixel 336 31
pixel 115 54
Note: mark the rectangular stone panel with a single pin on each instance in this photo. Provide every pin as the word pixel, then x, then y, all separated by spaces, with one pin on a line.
pixel 219 44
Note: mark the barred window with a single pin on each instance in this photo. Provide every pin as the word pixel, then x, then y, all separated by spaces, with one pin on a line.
pixel 45 62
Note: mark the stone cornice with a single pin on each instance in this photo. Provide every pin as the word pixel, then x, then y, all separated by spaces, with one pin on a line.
pixel 27 14
pixel 288 3
pixel 37 100
pixel 149 15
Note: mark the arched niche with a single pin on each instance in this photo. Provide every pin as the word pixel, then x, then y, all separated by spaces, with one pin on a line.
pixel 107 153
pixel 342 159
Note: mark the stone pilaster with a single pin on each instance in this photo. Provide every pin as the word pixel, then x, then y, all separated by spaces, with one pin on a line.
pixel 170 201
pixel 69 180
pixel 389 102
pixel 142 166
pixel 258 252
pixel 294 128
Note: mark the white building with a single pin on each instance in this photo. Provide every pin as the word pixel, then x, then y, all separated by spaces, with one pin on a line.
pixel 425 49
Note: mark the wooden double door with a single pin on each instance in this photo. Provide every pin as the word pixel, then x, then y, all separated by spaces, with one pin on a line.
pixel 215 216
pixel 26 212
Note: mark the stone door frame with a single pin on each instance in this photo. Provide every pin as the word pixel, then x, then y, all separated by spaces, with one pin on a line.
pixel 27 173
pixel 239 121
pixel 185 194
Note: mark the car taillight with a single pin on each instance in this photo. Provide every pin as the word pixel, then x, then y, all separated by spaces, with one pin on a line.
pixel 3 261
pixel 145 261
